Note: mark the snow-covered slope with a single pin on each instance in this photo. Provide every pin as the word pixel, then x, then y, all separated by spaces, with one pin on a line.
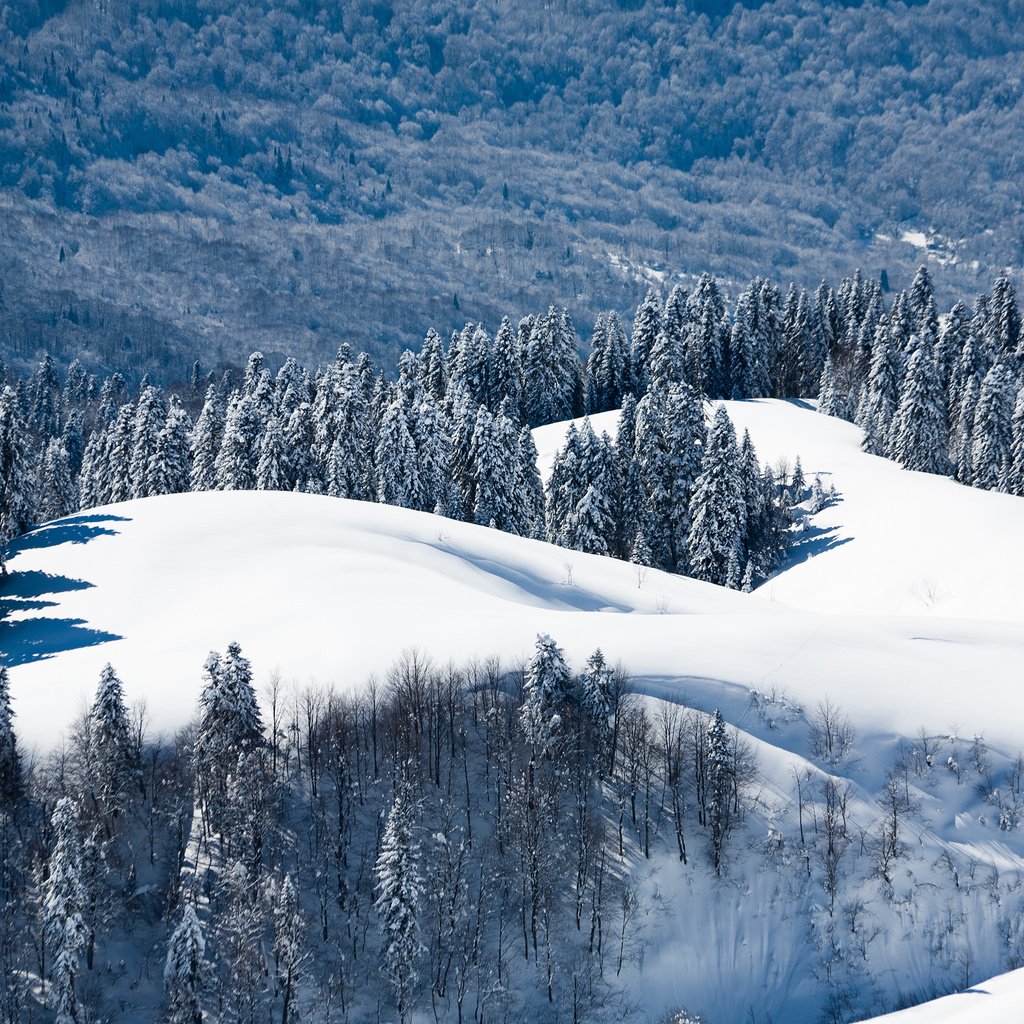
pixel 899 542
pixel 997 1001
pixel 332 591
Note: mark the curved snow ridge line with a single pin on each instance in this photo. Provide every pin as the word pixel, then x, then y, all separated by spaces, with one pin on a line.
pixel 893 542
pixel 999 1000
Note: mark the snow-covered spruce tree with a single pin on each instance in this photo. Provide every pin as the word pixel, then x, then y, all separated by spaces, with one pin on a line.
pixel 742 347
pixel 598 702
pixel 229 727
pixel 398 480
pixel 545 690
pixel 717 514
pixel 184 970
pixel 113 756
pixel 63 906
pixel 433 369
pixel 506 386
pixel 290 956
pixel 993 429
pixel 150 415
pixel 399 895
pixel 120 439
pixel 882 395
pixel 1015 471
pixel 16 484
pixel 235 465
pixel 529 488
pixel 646 324
pixel 470 368
pixel 206 438
pixel 272 470
pixel 57 494
pixel 668 452
pixel 607 373
pixel 961 436
pixel 720 787
pixel 170 467
pixel 10 762
pixel 921 437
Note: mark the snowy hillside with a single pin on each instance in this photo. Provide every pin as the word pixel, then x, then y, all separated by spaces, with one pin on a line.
pixel 896 542
pixel 281 571
pixel 997 1001
pixel 331 592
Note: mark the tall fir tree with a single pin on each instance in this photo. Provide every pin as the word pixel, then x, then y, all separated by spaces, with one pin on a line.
pixel 921 438
pixel 184 970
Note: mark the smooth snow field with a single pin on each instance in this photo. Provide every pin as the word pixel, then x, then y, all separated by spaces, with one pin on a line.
pixel 902 602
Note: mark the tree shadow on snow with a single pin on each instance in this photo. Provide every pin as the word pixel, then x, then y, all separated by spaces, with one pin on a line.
pixel 28 640
pixel 814 541
pixel 73 530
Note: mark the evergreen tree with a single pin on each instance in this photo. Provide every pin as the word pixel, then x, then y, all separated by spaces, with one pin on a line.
pixel 170 468
pixel 598 702
pixel 494 473
pixel 114 761
pixel 206 440
pixel 720 786
pixel 10 762
pixel 272 471
pixel 433 370
pixel 506 372
pixel 57 494
pixel 921 436
pixel 120 445
pixel 150 416
pixel 545 690
pixel 716 508
pixel 243 429
pixel 1015 473
pixel 399 896
pixel 883 392
pixel 993 430
pixel 16 484
pixel 646 325
pixel 289 954
pixel 63 905
pixel 961 439
pixel 922 307
pixel 529 488
pixel 184 970
pixel 398 480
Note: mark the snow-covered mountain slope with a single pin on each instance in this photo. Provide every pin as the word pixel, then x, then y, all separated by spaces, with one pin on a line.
pixel 997 1001
pixel 895 542
pixel 332 591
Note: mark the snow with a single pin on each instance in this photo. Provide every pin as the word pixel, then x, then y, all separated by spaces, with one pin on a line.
pixel 918 239
pixel 896 542
pixel 998 1001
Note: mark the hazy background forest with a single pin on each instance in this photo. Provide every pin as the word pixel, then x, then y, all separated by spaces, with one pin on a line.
pixel 183 178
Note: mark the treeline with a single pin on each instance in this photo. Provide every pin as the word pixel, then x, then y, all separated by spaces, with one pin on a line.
pixel 454 840
pixel 451 435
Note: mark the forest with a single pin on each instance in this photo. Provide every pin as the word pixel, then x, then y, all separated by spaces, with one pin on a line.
pixel 204 179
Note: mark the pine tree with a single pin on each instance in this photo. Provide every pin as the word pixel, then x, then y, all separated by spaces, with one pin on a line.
pixel 289 954
pixel 720 785
pixel 1015 472
pixel 921 436
pixel 883 394
pixel 922 307
pixel 206 440
pixel 229 727
pixel 63 906
pixel 170 468
pixel 243 430
pixel 545 690
pixel 57 494
pixel 272 471
pixel 961 438
pixel 598 702
pixel 398 480
pixel 507 371
pixel 113 755
pixel 120 442
pixel 10 762
pixel 399 895
pixel 992 441
pixel 646 325
pixel 433 370
pixel 717 512
pixel 184 970
pixel 529 488
pixel 150 416
pixel 16 483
